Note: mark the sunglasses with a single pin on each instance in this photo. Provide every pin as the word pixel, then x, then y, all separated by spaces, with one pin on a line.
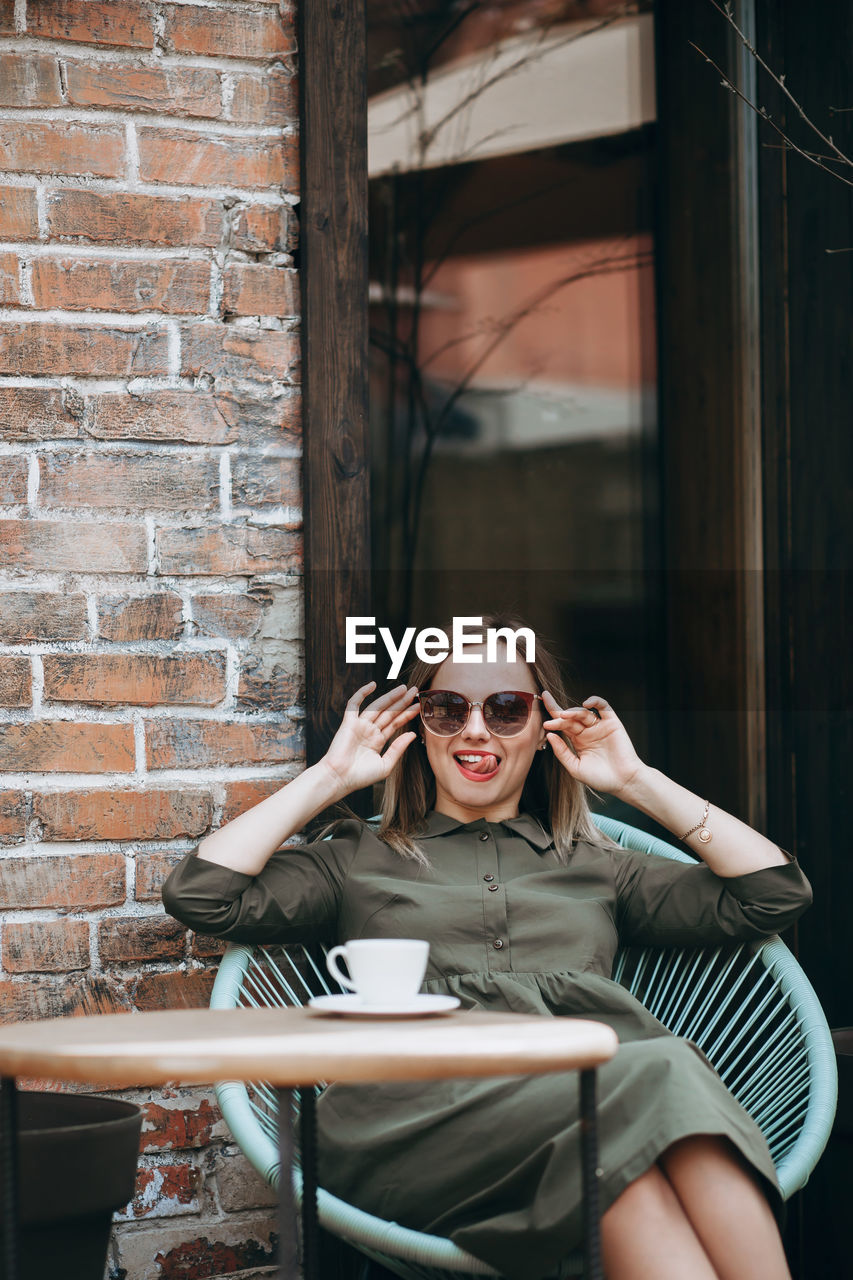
pixel 505 714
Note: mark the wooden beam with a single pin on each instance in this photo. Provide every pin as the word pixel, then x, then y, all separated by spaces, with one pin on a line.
pixel 333 269
pixel 707 260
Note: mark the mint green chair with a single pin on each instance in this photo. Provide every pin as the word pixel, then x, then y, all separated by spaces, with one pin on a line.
pixel 750 1008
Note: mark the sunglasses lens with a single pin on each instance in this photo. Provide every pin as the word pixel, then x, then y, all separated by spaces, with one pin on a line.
pixel 506 713
pixel 444 713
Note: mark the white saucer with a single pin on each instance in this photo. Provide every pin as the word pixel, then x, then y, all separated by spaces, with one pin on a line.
pixel 422 1006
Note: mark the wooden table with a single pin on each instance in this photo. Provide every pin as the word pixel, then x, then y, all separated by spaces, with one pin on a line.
pixel 295 1048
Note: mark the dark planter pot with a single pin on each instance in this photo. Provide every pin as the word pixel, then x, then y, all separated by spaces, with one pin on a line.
pixel 77 1159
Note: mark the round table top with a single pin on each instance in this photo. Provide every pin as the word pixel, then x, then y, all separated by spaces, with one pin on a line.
pixel 289 1047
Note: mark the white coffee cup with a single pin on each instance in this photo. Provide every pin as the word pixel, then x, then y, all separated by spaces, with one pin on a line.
pixel 384 971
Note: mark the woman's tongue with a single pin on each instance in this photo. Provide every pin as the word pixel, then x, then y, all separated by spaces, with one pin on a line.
pixel 478 764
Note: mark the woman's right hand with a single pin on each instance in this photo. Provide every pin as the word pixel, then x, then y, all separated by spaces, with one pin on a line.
pixel 356 756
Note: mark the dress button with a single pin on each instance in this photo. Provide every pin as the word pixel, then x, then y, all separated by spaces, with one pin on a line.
pixel 484 835
pixel 493 888
pixel 488 877
pixel 497 944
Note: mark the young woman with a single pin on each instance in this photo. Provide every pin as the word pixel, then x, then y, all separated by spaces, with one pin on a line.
pixel 486 848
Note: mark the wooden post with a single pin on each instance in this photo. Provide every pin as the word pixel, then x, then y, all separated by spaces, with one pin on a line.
pixel 333 268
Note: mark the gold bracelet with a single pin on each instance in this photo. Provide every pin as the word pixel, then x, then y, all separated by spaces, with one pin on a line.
pixel 704 834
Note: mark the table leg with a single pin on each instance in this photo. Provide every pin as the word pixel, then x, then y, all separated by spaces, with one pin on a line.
pixel 288 1245
pixel 592 1269
pixel 9 1218
pixel 308 1148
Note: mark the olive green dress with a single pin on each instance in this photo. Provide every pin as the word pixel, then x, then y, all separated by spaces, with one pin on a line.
pixel 494 1164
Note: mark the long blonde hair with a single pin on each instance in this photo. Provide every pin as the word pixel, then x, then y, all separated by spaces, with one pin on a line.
pixel 550 793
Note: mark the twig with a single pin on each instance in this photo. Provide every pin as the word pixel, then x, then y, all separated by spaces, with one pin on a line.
pixel 762 113
pixel 779 80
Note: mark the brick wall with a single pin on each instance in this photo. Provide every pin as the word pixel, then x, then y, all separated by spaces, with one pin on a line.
pixel 150 599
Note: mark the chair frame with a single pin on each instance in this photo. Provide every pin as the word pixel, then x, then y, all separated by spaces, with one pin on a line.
pixel 755 992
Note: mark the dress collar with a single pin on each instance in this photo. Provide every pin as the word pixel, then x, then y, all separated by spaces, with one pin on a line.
pixel 525 825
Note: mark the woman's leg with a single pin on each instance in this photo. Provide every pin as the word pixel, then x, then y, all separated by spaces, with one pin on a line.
pixel 646 1235
pixel 727 1209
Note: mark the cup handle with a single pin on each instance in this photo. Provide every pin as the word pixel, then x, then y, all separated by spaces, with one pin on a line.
pixel 335 971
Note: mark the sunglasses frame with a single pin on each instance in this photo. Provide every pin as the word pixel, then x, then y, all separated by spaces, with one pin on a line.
pixel 528 698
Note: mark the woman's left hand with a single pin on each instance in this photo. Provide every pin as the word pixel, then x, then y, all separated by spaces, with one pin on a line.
pixel 604 757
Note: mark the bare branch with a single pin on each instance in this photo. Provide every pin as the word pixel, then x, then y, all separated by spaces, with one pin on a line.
pixel 528 55
pixel 779 80
pixel 762 113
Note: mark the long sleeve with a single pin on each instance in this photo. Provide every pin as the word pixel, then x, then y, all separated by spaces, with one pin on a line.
pixel 668 903
pixel 294 899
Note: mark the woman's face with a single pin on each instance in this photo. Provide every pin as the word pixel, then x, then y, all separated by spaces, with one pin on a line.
pixel 479 774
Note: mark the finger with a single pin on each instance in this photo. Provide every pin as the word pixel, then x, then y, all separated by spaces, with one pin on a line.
pixel 400 706
pixel 360 694
pixel 381 704
pixel 396 749
pixel 570 716
pixel 407 713
pixel 598 706
pixel 563 752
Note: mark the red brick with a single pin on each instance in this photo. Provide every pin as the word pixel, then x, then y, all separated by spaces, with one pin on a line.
pixel 173 287
pixel 10 280
pixel 126 23
pixel 128 218
pixel 26 999
pixel 29 616
pixel 49 146
pixel 37 413
pixel 189 417
pixel 118 679
pixel 47 546
pixel 234 616
pixel 132 940
pixel 154 617
pixel 60 746
pixel 204 948
pixel 16 682
pixel 265 100
pixel 90 350
pixel 45 946
pixel 29 80
pixel 172 990
pixel 266 482
pixel 245 794
pixel 186 91
pixel 18 214
pixel 13 480
pixel 205 160
pixel 146 482
pixel 270 678
pixel 231 351
pixel 199 744
pixel 181 1127
pixel 272 419
pixel 193 1250
pixel 122 815
pixel 13 817
pixel 227 33
pixel 164 1190
pixel 152 870
pixel 239 1187
pixel 84 881
pixel 260 228
pixel 261 291
pixel 230 549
